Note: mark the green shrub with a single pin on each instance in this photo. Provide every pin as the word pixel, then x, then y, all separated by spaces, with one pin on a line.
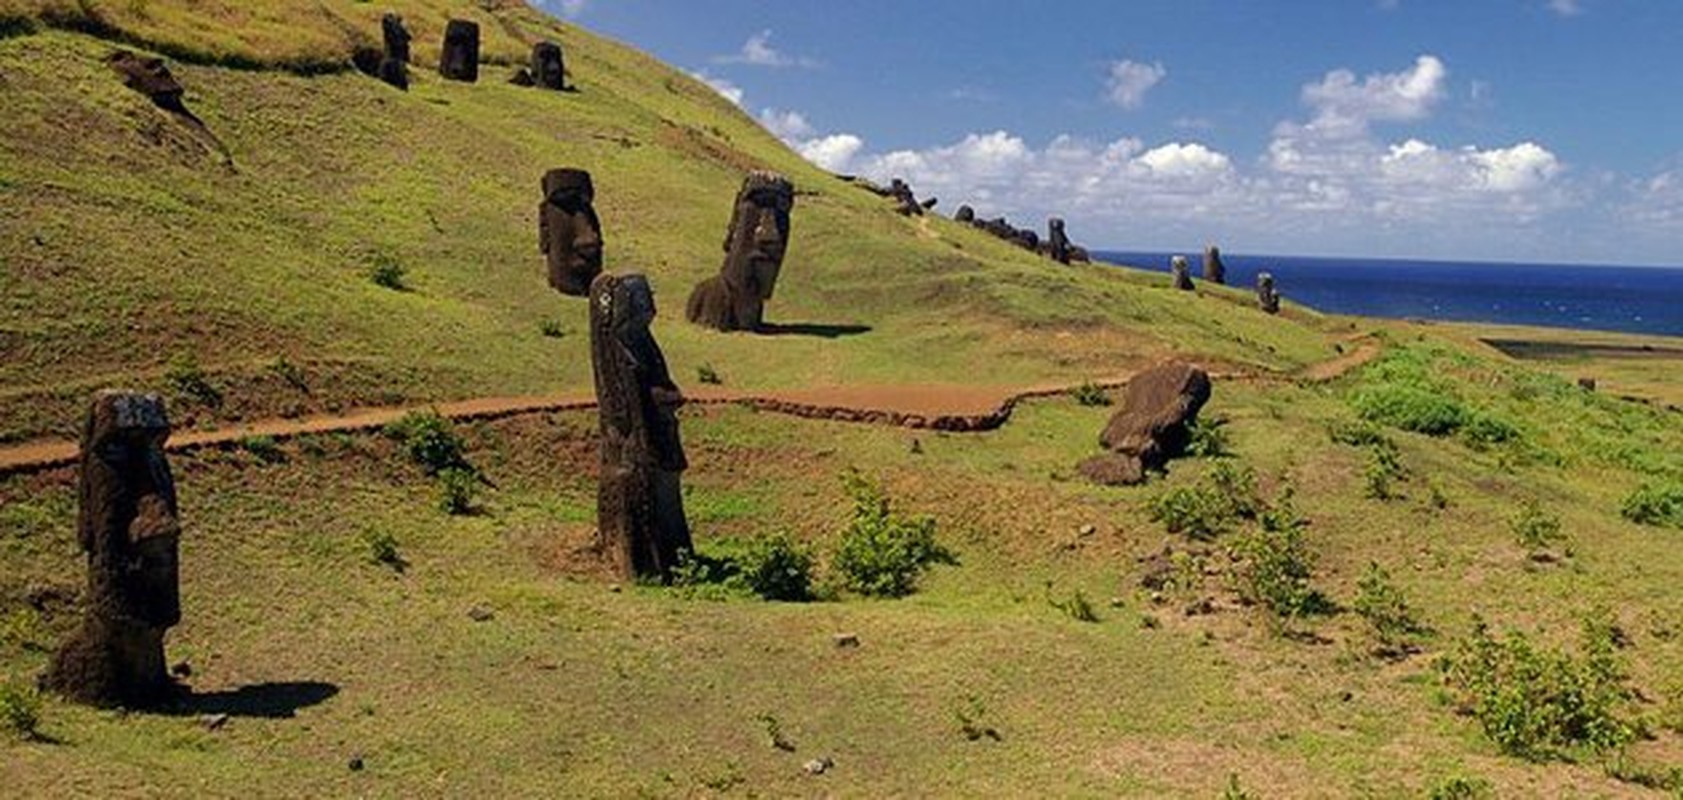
pixel 1539 703
pixel 1382 606
pixel 1384 468
pixel 386 272
pixel 382 550
pixel 20 711
pixel 1411 407
pixel 1462 788
pixel 708 375
pixel 1090 394
pixel 881 553
pixel 291 373
pixel 1482 430
pixel 1213 506
pixel 1273 566
pixel 1234 791
pixel 1359 433
pixel 1208 439
pixel 1659 504
pixel 458 487
pixel 1536 530
pixel 1076 606
pixel 551 329
pixel 189 380
pixel 777 567
pixel 430 440
pixel 263 448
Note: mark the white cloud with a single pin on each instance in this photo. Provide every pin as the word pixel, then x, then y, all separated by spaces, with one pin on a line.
pixel 834 153
pixel 758 52
pixel 728 90
pixel 1566 8
pixel 786 125
pixel 1129 81
pixel 1344 106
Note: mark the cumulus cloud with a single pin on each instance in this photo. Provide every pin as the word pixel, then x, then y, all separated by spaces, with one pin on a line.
pixel 786 125
pixel 1345 106
pixel 1129 81
pixel 758 52
pixel 1566 8
pixel 834 153
pixel 725 88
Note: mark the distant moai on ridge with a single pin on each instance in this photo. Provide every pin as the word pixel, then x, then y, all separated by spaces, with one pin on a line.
pixel 460 59
pixel 1182 272
pixel 1058 246
pixel 569 233
pixel 1214 271
pixel 755 243
pixel 966 215
pixel 639 503
pixel 128 527
pixel 1267 298
pixel 394 61
pixel 549 67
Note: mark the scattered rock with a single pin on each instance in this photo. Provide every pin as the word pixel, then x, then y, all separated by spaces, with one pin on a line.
pixel 181 669
pixel 613 587
pixel 355 764
pixel 1088 530
pixel 819 766
pixel 481 614
pixel 846 640
pixel 917 447
pixel 1587 384
pixel 213 722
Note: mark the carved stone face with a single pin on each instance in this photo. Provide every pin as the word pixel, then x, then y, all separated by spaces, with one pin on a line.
pixel 130 506
pixel 547 67
pixel 572 234
pixel 759 237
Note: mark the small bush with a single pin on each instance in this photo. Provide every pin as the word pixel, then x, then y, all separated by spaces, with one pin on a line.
pixel 1411 407
pixel 1213 507
pixel 1208 439
pixel 458 487
pixel 1359 434
pixel 551 329
pixel 1234 791
pixel 1382 606
pixel 20 711
pixel 1076 606
pixel 291 373
pixel 881 553
pixel 972 720
pixel 1482 430
pixel 382 550
pixel 1435 495
pixel 430 440
pixel 1090 394
pixel 1540 703
pixel 1237 482
pixel 1462 788
pixel 1658 504
pixel 708 375
pixel 777 567
pixel 385 272
pixel 1536 530
pixel 189 380
pixel 262 448
pixel 1273 566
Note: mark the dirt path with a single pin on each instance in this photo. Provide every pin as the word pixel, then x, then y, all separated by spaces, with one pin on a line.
pixel 1366 349
pixel 943 407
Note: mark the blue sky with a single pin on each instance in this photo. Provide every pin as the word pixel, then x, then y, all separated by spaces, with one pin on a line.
pixel 1546 130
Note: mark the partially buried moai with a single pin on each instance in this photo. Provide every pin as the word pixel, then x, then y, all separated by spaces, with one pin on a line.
pixel 1267 298
pixel 549 69
pixel 394 61
pixel 1214 271
pixel 1182 272
pixel 639 504
pixel 1057 241
pixel 734 300
pixel 569 234
pixel 460 59
pixel 128 528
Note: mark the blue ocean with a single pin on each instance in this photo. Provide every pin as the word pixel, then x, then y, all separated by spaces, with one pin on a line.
pixel 1610 298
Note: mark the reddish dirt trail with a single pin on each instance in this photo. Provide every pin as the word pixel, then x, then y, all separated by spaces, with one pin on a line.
pixel 945 407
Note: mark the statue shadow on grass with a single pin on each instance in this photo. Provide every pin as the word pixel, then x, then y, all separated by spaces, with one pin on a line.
pixel 281 700
pixel 818 329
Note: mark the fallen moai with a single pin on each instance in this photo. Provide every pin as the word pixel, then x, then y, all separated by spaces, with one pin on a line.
pixel 1153 425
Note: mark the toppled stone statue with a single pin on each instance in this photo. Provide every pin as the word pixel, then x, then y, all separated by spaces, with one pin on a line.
pixel 460 59
pixel 965 214
pixel 1079 255
pixel 150 77
pixel 1153 425
pixel 1182 272
pixel 734 300
pixel 906 203
pixel 639 504
pixel 127 526
pixel 549 69
pixel 1267 298
pixel 569 234
pixel 1214 271
pixel 1058 246
pixel 394 63
pixel 523 77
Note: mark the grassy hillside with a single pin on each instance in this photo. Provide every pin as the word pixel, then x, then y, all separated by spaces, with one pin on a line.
pixel 364 642
pixel 129 243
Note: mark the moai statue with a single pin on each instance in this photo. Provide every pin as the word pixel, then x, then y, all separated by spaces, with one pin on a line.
pixel 734 300
pixel 548 67
pixel 966 215
pixel 1214 271
pixel 150 77
pixel 1267 298
pixel 1182 272
pixel 1027 239
pixel 1057 241
pixel 460 59
pixel 394 64
pixel 639 504
pixel 128 528
pixel 569 234
pixel 1152 426
pixel 905 201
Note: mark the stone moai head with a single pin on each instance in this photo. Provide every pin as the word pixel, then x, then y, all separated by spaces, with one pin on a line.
pixel 1267 298
pixel 548 68
pixel 460 59
pixel 1182 272
pixel 569 232
pixel 965 214
pixel 396 37
pixel 1214 271
pixel 759 234
pixel 1057 241
pixel 128 522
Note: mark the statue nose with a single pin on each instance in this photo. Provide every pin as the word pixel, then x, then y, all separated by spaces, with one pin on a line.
pixel 766 232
